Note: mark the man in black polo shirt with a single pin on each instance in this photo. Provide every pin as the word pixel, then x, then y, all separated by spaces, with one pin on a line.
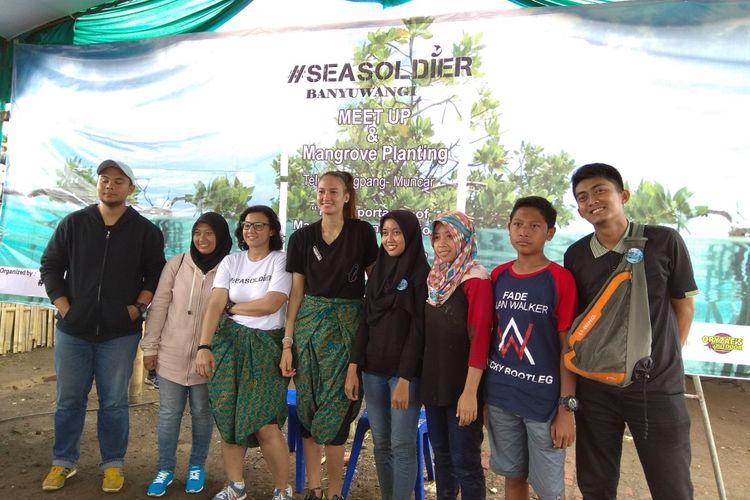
pixel 656 413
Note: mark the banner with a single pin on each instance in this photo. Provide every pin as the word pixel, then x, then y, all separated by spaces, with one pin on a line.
pixel 466 111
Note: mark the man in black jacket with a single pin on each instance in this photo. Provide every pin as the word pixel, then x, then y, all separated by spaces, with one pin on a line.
pixel 100 270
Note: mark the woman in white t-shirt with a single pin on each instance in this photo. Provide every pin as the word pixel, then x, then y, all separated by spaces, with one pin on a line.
pixel 246 389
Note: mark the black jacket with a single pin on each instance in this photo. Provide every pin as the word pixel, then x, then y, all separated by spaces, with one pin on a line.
pixel 101 270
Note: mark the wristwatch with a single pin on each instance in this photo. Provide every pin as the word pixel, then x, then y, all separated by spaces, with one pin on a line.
pixel 570 403
pixel 228 307
pixel 142 309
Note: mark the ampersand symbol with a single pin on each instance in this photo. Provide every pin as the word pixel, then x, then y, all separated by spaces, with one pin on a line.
pixel 372 133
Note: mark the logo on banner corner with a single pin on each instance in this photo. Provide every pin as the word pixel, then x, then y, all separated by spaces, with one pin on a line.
pixel 722 343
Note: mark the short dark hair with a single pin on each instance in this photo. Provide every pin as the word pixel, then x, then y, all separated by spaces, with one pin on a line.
pixel 275 243
pixel 350 207
pixel 592 170
pixel 542 204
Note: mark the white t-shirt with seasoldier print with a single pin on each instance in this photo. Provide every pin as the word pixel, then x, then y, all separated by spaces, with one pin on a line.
pixel 247 280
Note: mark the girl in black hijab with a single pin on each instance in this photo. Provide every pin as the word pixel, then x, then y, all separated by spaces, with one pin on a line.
pixel 206 262
pixel 388 351
pixel 170 346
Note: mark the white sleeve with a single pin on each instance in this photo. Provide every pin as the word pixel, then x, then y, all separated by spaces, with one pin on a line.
pixel 281 280
pixel 223 273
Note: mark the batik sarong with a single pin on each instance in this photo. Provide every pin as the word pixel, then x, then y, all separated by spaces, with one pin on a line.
pixel 246 390
pixel 323 335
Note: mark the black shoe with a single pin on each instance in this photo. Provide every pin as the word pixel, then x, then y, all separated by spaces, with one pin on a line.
pixel 310 495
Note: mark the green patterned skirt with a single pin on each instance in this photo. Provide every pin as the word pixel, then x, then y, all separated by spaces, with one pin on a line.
pixel 246 390
pixel 323 335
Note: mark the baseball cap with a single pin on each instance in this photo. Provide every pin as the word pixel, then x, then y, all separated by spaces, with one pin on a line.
pixel 117 164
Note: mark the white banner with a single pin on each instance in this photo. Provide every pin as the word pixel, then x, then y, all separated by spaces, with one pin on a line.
pixel 21 281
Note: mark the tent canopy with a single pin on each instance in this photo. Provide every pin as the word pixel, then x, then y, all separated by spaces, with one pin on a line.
pixel 20 16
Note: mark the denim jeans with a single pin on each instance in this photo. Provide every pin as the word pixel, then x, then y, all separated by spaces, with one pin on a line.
pixel 458 454
pixel 172 399
pixel 78 363
pixel 394 434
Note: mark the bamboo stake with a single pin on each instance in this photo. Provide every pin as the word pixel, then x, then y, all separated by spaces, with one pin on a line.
pixel 37 312
pixel 4 321
pixel 135 387
pixel 51 328
pixel 18 319
pixel 28 331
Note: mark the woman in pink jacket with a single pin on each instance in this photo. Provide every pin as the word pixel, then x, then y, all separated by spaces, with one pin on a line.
pixel 172 333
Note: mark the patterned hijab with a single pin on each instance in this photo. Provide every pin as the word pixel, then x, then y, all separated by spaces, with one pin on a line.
pixel 445 277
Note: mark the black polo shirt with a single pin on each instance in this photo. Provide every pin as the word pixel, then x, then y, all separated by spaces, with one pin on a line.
pixel 669 275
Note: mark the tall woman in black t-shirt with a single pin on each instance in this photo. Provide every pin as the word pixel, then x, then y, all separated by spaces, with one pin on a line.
pixel 388 351
pixel 328 260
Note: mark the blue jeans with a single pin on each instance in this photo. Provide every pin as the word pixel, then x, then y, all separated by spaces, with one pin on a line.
pixel 172 399
pixel 78 363
pixel 394 434
pixel 458 454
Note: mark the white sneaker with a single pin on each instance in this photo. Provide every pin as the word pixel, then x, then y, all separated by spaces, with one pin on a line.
pixel 231 492
pixel 282 494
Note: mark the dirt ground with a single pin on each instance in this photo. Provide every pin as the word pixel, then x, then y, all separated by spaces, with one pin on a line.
pixel 27 390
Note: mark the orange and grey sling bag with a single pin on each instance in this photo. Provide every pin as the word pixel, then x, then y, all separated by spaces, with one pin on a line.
pixel 610 341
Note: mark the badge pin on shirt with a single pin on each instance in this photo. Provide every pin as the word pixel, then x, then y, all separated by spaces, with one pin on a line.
pixel 317 253
pixel 634 255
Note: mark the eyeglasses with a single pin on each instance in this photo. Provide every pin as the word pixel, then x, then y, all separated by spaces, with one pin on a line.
pixel 258 226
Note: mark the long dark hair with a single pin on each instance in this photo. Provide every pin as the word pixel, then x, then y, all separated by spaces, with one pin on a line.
pixel 350 207
pixel 275 242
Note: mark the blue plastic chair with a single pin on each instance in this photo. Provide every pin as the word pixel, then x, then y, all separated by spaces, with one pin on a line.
pixel 294 440
pixel 424 454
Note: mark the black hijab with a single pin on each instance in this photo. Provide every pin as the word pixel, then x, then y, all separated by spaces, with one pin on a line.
pixel 399 282
pixel 223 242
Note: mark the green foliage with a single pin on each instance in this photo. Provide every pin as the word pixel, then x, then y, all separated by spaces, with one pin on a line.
pixel 3 146
pixel 228 199
pixel 496 177
pixel 651 203
pixel 493 191
pixel 418 130
pixel 77 178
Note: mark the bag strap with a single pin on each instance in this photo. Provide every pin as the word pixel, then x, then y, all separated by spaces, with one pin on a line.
pixel 634 238
pixel 636 230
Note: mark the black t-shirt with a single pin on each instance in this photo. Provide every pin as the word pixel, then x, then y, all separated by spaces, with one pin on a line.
pixel 394 345
pixel 446 351
pixel 336 270
pixel 669 275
